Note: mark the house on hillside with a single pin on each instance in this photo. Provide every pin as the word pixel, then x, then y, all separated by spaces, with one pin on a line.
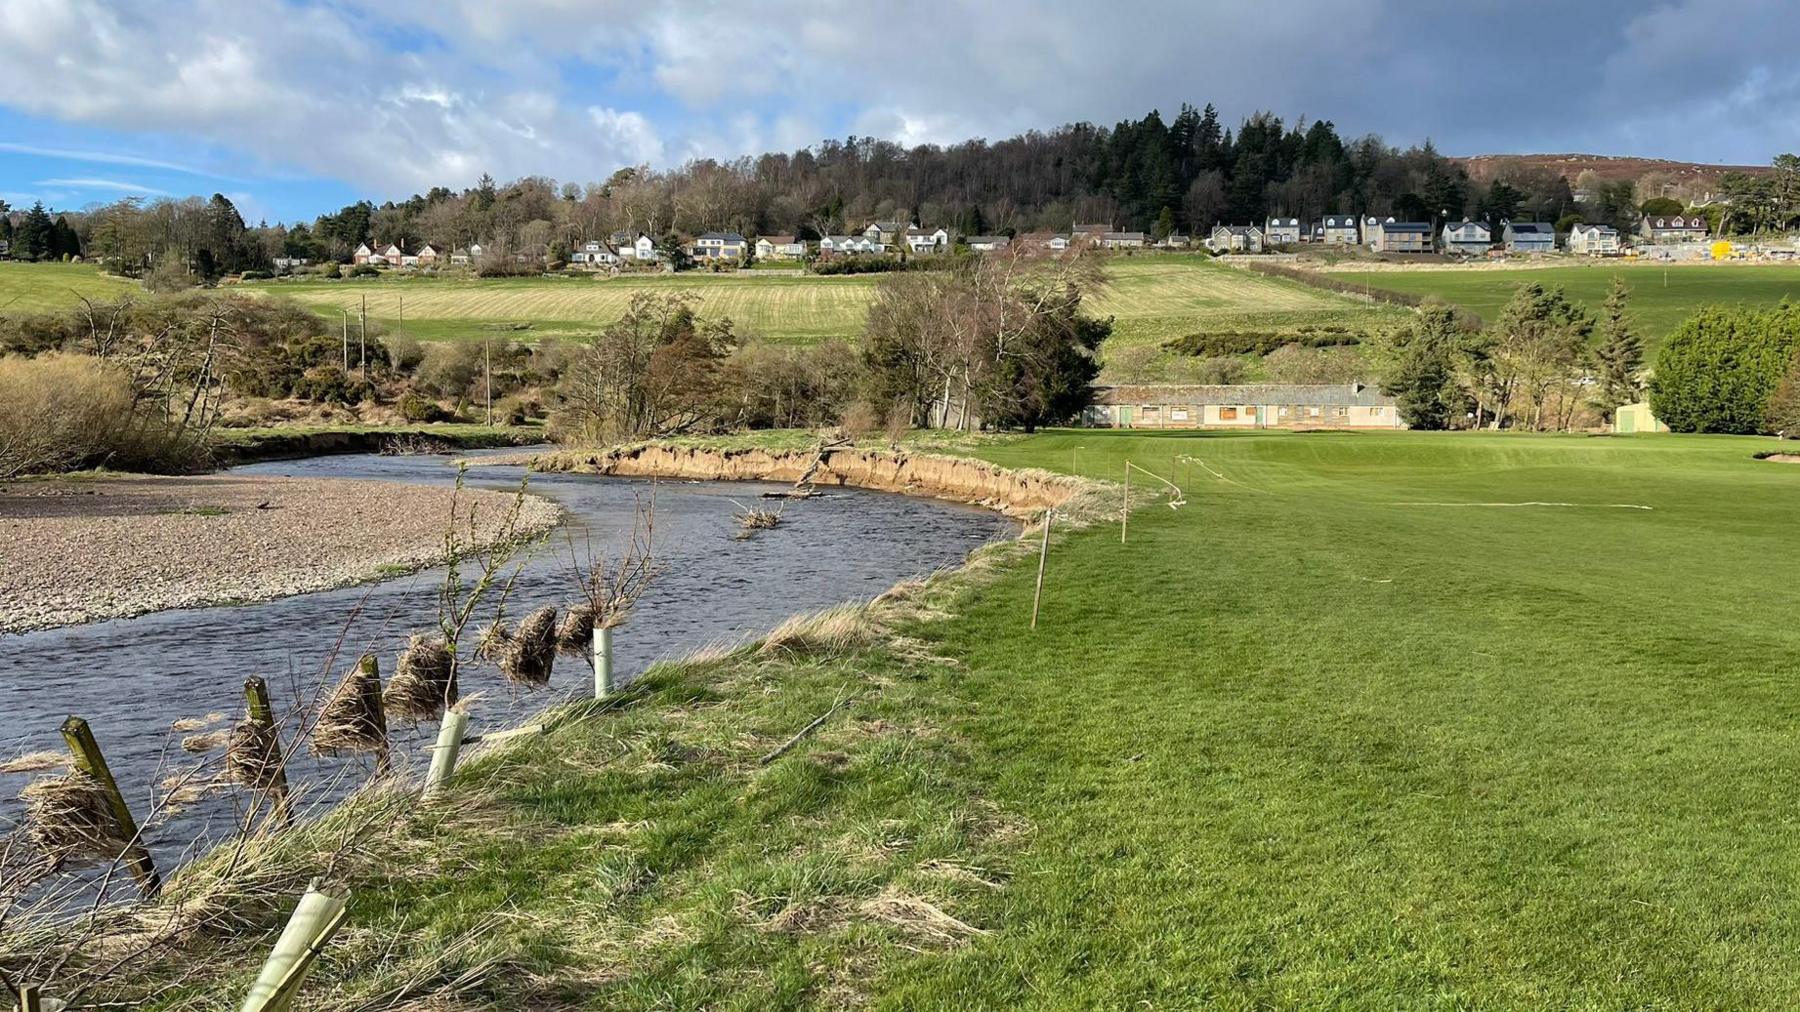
pixel 885 232
pixel 1469 238
pixel 1123 240
pixel 1662 228
pixel 1338 228
pixel 720 246
pixel 780 247
pixel 365 256
pixel 1248 406
pixel 428 256
pixel 1236 239
pixel 1530 237
pixel 462 255
pixel 1058 243
pixel 5 249
pixel 594 253
pixel 643 249
pixel 1174 240
pixel 921 240
pixel 988 243
pixel 1281 231
pixel 841 245
pixel 1385 235
pixel 1093 230
pixel 1594 240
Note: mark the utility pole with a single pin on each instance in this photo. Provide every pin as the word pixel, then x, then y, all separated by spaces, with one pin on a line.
pixel 346 343
pixel 487 354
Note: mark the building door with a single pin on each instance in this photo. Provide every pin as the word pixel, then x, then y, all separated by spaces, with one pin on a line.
pixel 1124 416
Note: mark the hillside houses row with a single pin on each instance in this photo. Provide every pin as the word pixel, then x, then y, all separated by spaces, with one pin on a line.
pixel 1468 238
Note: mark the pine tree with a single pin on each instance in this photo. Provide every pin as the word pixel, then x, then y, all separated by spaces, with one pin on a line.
pixel 1619 356
pixel 31 239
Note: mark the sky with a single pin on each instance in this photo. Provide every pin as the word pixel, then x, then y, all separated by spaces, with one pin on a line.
pixel 296 107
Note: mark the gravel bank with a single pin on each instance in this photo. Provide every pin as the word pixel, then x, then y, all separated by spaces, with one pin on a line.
pixel 74 551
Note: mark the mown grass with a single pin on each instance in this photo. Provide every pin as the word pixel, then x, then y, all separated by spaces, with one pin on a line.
pixel 39 287
pixel 1344 730
pixel 1661 297
pixel 1152 298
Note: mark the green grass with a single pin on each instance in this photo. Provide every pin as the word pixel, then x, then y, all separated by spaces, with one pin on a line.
pixel 1152 299
pixel 1661 297
pixel 38 287
pixel 1328 735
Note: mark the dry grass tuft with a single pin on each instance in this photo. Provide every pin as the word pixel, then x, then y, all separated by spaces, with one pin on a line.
pixel 490 644
pixel 531 650
pixel 253 755
pixel 348 722
pixel 918 917
pixel 187 724
pixel 35 762
pixel 420 687
pixel 829 633
pixel 69 818
pixel 199 743
pixel 781 915
pixel 575 634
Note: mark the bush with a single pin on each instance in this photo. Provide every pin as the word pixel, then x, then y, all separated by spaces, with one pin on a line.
pixel 58 412
pixel 416 407
pixel 364 271
pixel 328 271
pixel 862 264
pixel 255 276
pixel 1720 370
pixel 323 383
pixel 404 353
pixel 1784 404
pixel 449 368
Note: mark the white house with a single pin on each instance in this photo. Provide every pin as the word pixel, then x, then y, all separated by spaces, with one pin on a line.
pixel 833 245
pixel 644 248
pixel 988 243
pixel 1340 229
pixel 1594 240
pixel 1123 240
pixel 1058 243
pixel 1530 237
pixel 919 240
pixel 594 253
pixel 1674 228
pixel 780 247
pixel 720 246
pixel 1470 238
pixel 1281 231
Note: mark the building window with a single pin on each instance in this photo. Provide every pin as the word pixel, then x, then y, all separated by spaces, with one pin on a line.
pixel 1227 414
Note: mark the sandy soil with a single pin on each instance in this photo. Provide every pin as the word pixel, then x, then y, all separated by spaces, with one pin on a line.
pixel 1784 458
pixel 81 550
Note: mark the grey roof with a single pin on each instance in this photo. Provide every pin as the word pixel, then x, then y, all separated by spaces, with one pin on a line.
pixel 1459 226
pixel 1237 229
pixel 1331 394
pixel 1123 235
pixel 727 236
pixel 1533 228
pixel 1340 221
pixel 1406 226
pixel 1284 222
pixel 1602 229
pixel 1001 239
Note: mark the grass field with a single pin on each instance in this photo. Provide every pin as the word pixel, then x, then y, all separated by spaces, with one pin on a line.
pixel 32 288
pixel 1153 298
pixel 1661 297
pixel 1346 730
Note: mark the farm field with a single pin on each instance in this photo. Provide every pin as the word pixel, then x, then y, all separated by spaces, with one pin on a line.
pixel 1661 297
pixel 1374 720
pixel 1153 298
pixel 36 287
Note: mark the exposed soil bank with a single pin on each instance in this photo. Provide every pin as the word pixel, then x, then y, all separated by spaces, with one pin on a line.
pixel 1014 492
pixel 1784 458
pixel 79 550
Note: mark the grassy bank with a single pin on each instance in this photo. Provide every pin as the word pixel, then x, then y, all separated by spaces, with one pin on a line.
pixel 1374 720
pixel 243 446
pixel 1661 297
pixel 39 287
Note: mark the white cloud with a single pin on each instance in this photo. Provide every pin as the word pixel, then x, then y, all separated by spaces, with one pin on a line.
pixel 105 184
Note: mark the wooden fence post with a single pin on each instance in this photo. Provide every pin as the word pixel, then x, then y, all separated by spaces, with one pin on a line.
pixel 370 686
pixel 449 744
pixel 256 697
pixel 1043 556
pixel 89 760
pixel 603 662
pixel 31 999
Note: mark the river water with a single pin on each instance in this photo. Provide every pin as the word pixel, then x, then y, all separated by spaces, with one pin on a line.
pixel 133 678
